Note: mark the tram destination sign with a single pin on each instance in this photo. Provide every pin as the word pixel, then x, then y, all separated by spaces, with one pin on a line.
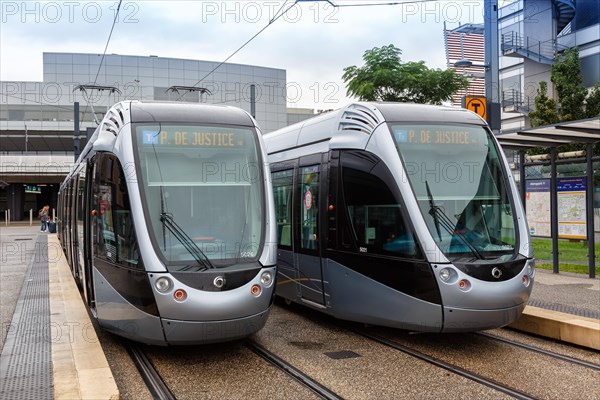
pixel 192 138
pixel 442 136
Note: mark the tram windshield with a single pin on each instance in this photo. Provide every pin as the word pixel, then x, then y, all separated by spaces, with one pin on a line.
pixel 459 180
pixel 203 191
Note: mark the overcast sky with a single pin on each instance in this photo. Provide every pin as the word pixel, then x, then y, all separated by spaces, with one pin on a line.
pixel 313 41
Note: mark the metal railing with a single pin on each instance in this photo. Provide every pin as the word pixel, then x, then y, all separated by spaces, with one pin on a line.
pixel 515 101
pixel 8 217
pixel 522 46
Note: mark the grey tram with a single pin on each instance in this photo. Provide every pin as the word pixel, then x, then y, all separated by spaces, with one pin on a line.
pixel 400 215
pixel 168 225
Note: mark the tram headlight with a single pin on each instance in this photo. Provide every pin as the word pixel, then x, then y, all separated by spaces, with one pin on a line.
pixel 448 275
pixel 163 284
pixel 445 274
pixel 266 278
pixel 530 269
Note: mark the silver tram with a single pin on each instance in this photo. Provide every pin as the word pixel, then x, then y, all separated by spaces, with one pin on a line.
pixel 168 224
pixel 400 215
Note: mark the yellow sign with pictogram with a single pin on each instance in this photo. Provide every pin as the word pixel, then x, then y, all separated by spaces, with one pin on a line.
pixel 477 104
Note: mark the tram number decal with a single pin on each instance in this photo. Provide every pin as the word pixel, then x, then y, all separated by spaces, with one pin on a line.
pixel 362 249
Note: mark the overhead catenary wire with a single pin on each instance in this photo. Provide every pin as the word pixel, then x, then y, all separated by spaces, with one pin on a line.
pixel 394 3
pixel 280 14
pixel 103 56
pixel 276 16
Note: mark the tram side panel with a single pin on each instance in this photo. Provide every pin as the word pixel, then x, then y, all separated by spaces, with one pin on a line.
pixel 149 284
pixel 400 244
pixel 123 296
pixel 366 282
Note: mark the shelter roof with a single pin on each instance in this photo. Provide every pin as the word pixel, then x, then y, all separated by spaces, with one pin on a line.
pixel 581 131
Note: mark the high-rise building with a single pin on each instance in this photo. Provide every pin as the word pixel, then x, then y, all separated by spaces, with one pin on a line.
pixel 37 118
pixel 532 33
pixel 466 42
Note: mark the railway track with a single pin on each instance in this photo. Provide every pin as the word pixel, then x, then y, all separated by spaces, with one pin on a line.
pixel 149 374
pixel 292 371
pixel 428 351
pixel 159 390
pixel 447 366
pixel 454 356
pixel 558 356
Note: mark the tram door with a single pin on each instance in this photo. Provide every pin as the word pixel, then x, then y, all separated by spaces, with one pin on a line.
pixel 283 190
pixel 308 256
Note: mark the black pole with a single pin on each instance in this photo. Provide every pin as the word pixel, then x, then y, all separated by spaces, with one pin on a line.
pixel 522 182
pixel 554 210
pixel 589 194
pixel 253 101
pixel 76 143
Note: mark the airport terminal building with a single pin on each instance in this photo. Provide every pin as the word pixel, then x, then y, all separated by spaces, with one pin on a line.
pixel 37 119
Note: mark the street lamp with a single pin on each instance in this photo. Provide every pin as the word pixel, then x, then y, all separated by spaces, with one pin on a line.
pixel 466 63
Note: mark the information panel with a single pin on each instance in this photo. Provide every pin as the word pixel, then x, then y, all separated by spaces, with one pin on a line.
pixel 571 208
pixel 538 206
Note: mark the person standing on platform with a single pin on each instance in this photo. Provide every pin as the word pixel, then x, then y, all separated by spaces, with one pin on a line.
pixel 44 217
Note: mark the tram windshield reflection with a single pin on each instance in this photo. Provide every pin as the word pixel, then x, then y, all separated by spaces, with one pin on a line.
pixel 209 180
pixel 460 183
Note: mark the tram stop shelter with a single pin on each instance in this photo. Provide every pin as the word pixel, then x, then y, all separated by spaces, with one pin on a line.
pixel 586 132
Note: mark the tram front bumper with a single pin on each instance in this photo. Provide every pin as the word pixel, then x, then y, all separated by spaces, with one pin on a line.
pixel 194 332
pixel 469 320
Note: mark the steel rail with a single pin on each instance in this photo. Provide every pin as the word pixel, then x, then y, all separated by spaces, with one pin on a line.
pixel 150 375
pixel 295 373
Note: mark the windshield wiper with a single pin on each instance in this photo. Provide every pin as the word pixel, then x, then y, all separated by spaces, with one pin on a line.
pixel 185 240
pixel 433 210
pixel 440 217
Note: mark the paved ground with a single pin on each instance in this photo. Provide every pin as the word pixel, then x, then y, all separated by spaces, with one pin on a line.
pixel 16 250
pixel 566 292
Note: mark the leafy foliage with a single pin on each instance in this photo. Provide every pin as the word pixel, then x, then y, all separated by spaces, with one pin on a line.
pixel 592 103
pixel 545 108
pixel 384 77
pixel 568 82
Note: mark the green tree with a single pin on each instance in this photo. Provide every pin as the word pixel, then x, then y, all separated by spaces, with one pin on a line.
pixel 592 103
pixel 384 77
pixel 568 83
pixel 545 108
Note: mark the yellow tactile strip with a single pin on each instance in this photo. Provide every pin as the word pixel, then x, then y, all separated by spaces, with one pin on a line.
pixel 80 369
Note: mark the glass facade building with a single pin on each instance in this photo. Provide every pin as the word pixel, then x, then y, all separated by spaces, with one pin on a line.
pixel 37 118
pixel 532 33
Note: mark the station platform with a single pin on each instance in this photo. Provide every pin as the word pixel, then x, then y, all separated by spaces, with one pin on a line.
pixel 50 349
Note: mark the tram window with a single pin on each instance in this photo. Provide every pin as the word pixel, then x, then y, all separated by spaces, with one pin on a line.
pixel 116 234
pixel 81 199
pixel 309 190
pixel 283 182
pixel 374 212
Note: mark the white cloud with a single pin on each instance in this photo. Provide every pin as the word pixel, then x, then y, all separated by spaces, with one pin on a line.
pixel 313 42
